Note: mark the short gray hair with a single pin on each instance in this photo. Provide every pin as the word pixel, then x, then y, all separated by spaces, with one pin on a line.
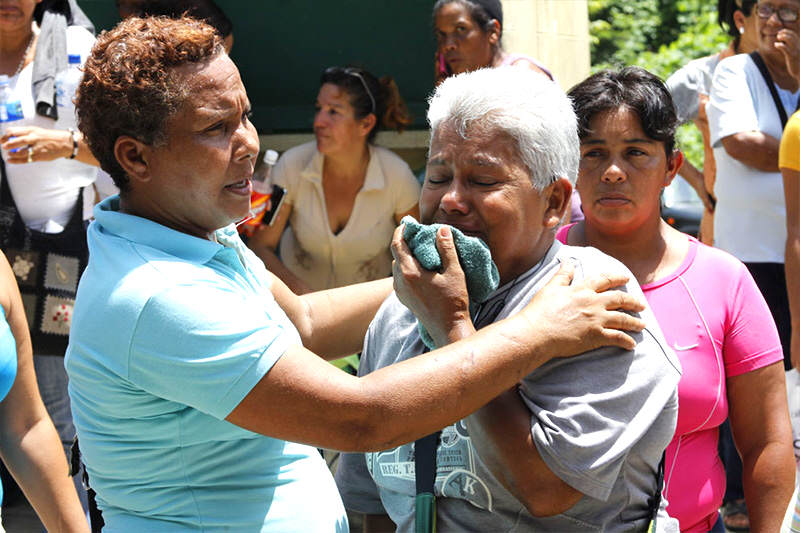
pixel 521 103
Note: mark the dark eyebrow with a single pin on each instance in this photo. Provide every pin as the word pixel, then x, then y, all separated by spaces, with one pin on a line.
pixel 635 140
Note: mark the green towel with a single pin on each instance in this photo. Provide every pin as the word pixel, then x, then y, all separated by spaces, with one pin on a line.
pixel 473 255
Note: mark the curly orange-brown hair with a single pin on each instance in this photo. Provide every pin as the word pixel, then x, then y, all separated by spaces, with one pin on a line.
pixel 129 86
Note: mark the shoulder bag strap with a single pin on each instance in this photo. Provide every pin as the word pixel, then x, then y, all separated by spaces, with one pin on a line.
pixel 654 502
pixel 425 474
pixel 762 67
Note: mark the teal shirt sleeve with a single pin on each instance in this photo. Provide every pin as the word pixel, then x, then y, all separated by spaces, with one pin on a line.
pixel 207 346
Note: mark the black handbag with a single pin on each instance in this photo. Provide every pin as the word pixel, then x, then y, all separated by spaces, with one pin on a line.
pixel 47 267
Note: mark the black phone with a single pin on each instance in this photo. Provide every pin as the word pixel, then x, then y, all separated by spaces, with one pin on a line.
pixel 276 198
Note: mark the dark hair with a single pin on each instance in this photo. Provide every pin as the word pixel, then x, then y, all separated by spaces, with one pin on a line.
pixel 368 95
pixel 482 12
pixel 129 87
pixel 205 10
pixel 631 87
pixel 725 11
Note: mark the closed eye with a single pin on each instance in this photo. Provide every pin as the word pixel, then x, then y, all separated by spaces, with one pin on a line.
pixel 436 179
pixel 216 127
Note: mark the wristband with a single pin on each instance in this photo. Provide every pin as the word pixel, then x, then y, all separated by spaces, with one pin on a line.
pixel 74 135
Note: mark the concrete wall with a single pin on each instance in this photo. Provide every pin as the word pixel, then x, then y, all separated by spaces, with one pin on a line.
pixel 556 32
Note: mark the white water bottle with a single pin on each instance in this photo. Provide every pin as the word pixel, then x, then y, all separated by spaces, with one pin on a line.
pixel 262 191
pixel 67 82
pixel 10 107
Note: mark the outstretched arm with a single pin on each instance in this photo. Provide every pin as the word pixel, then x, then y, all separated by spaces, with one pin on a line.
pixel 297 399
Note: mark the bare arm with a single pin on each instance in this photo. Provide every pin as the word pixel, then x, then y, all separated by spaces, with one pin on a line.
pixel 264 243
pixel 763 436
pixel 47 144
pixel 501 432
pixel 695 178
pixel 332 323
pixel 29 444
pixel 791 189
pixel 754 149
pixel 298 397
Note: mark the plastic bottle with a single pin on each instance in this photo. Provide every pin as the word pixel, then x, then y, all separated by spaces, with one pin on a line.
pixel 10 108
pixel 66 83
pixel 262 190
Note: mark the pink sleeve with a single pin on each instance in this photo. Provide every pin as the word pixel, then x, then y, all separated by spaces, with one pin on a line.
pixel 562 233
pixel 751 340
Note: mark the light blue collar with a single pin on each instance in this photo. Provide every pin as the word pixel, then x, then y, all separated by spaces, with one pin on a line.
pixel 109 219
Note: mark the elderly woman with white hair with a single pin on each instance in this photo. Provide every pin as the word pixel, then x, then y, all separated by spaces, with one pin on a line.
pixel 578 443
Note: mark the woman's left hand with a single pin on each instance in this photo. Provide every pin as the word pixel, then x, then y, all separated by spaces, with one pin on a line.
pixel 26 144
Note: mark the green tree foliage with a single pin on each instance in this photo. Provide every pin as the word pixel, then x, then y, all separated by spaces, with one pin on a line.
pixel 659 35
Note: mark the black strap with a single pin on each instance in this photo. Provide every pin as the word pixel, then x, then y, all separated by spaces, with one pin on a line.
pixel 425 448
pixel 654 502
pixel 762 67
pixel 77 466
pixel 425 462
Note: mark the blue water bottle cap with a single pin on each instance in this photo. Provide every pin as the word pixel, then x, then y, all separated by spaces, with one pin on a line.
pixel 74 59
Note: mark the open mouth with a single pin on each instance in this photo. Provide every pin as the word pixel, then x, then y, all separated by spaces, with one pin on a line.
pixel 240 187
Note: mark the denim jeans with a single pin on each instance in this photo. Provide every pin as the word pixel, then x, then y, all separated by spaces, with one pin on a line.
pixel 52 379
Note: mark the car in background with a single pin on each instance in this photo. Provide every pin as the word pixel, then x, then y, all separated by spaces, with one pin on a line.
pixel 681 208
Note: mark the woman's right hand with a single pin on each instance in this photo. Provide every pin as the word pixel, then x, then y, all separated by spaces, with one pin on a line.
pixel 439 300
pixel 575 318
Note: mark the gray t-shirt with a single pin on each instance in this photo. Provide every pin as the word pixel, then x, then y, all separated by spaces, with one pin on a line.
pixel 690 81
pixel 600 421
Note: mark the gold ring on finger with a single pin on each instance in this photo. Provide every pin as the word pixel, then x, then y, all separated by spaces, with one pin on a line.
pixel 30 154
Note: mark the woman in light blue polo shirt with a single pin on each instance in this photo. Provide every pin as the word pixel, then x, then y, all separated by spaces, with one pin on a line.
pixel 192 368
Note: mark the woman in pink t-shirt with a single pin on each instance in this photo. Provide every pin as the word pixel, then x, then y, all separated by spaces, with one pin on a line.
pixel 711 311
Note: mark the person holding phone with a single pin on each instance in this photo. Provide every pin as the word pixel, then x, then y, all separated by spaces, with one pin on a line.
pixel 344 195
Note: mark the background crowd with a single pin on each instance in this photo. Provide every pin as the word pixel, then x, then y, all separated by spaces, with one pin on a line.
pixel 723 298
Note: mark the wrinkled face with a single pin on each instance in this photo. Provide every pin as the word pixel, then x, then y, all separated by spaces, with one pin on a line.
pixel 622 172
pixel 481 186
pixel 16 15
pixel 335 126
pixel 771 30
pixel 463 44
pixel 200 180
